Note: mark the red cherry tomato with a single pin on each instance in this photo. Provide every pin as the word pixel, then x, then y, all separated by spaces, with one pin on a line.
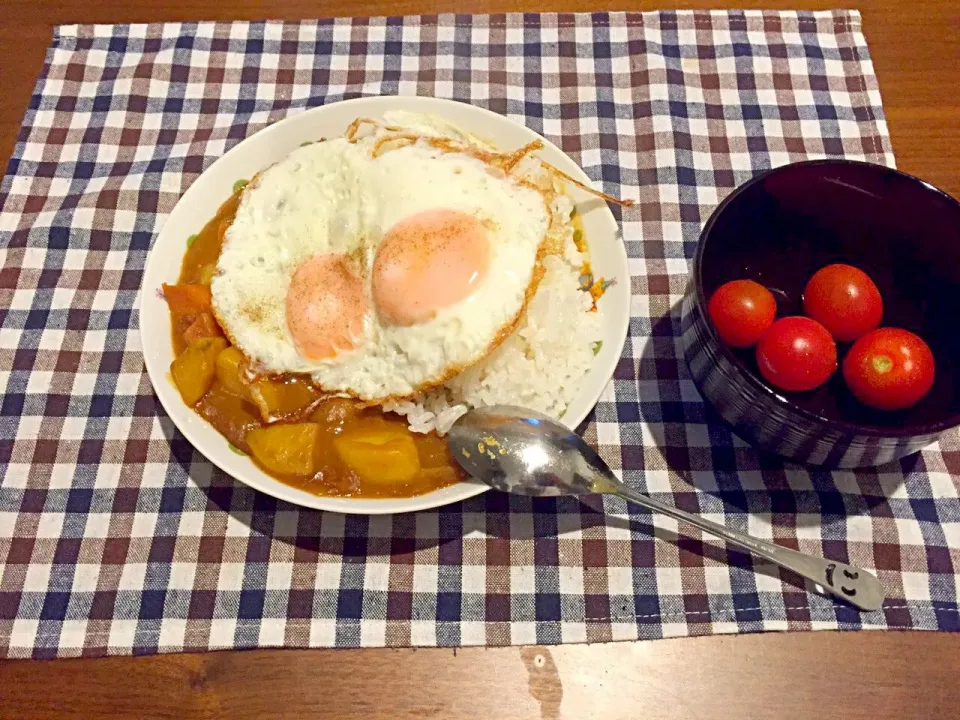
pixel 742 310
pixel 797 354
pixel 844 300
pixel 889 369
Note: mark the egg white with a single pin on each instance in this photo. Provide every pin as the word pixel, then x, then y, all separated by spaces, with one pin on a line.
pixel 334 197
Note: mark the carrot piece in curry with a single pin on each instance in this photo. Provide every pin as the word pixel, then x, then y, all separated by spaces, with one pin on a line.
pixel 188 298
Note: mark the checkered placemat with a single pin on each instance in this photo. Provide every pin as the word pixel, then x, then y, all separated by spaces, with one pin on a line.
pixel 116 536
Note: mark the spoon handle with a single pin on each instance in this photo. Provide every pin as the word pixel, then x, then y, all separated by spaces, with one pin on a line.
pixel 858 587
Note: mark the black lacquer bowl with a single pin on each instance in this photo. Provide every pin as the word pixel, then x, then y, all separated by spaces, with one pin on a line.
pixel 781 227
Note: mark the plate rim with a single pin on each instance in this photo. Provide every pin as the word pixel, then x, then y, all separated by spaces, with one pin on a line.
pixel 260 481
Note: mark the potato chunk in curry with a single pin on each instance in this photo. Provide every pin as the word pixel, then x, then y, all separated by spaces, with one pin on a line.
pixel 283 399
pixel 231 369
pixel 285 449
pixel 194 369
pixel 381 456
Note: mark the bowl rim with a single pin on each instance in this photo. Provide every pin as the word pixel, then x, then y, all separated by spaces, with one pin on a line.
pixel 842 426
pixel 194 428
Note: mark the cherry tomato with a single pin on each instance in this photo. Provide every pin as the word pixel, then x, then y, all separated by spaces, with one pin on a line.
pixel 889 369
pixel 844 300
pixel 797 354
pixel 742 310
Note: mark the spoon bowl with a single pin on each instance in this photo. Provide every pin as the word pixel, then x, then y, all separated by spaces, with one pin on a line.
pixel 524 452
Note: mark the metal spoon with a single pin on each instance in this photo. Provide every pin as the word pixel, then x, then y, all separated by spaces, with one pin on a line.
pixel 520 451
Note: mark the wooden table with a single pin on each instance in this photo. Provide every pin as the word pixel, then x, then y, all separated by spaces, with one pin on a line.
pixel 916 51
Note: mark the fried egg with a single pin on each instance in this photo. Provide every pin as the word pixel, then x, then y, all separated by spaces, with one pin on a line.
pixel 383 262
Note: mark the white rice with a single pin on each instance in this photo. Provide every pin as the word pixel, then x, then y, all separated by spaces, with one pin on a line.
pixel 539 366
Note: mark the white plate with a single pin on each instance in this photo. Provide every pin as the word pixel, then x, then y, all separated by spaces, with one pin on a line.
pixel 272 144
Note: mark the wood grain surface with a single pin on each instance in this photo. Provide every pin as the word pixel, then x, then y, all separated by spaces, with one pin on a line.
pixel 850 676
pixel 916 51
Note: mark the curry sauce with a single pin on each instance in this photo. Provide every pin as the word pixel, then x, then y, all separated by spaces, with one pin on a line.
pixel 323 445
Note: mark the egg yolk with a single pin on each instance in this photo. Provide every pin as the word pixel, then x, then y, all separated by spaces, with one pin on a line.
pixel 325 307
pixel 427 262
